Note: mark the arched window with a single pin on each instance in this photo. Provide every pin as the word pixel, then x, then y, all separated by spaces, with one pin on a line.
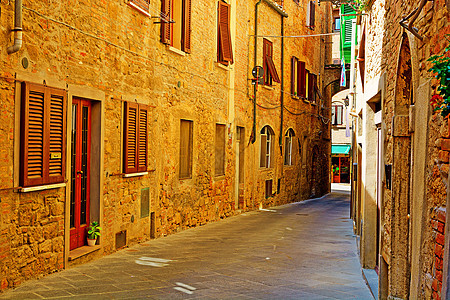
pixel 288 147
pixel 267 138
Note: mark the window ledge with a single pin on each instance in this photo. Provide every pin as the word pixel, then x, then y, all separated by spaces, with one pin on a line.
pixel 295 97
pixel 42 187
pixel 313 103
pixel 82 251
pixel 306 101
pixel 222 66
pixel 268 87
pixel 175 50
pixel 135 174
pixel 219 177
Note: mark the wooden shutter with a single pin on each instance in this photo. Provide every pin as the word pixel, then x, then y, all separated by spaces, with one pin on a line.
pixel 57 129
pixel 301 79
pixel 43 134
pixel 224 32
pixel 186 30
pixel 269 61
pixel 143 139
pixel 185 148
pixel 166 26
pixel 312 22
pixel 293 70
pixel 131 136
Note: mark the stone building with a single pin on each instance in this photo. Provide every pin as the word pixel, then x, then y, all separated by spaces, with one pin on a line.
pixel 150 123
pixel 400 145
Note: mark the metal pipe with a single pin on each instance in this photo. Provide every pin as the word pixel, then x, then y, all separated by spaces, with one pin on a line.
pixel 17 28
pixel 280 141
pixel 414 15
pixel 255 64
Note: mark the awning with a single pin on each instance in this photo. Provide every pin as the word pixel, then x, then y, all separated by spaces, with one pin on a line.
pixel 340 149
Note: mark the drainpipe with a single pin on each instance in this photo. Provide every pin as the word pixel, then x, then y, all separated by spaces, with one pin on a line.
pixel 17 28
pixel 255 64
pixel 280 141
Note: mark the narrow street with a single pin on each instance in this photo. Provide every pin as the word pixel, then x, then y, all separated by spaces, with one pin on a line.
pixel 302 250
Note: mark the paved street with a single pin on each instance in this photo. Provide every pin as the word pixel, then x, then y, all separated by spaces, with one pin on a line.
pixel 299 251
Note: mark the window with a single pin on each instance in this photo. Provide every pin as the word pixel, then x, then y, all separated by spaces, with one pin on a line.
pixel 225 51
pixel 43 135
pixel 297 77
pixel 269 184
pixel 311 15
pixel 185 149
pixel 267 136
pixel 288 147
pixel 220 150
pixel 337 24
pixel 176 24
pixel 141 5
pixel 270 72
pixel 312 87
pixel 136 140
pixel 336 114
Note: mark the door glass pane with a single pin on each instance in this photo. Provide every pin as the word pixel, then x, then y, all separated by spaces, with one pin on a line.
pixel 73 167
pixel 84 163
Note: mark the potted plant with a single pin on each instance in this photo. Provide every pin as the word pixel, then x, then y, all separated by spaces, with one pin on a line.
pixel 93 233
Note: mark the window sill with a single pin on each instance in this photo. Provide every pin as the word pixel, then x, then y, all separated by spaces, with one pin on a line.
pixel 268 87
pixel 222 66
pixel 295 97
pixel 139 9
pixel 82 251
pixel 306 101
pixel 135 174
pixel 313 103
pixel 42 187
pixel 175 50
pixel 219 177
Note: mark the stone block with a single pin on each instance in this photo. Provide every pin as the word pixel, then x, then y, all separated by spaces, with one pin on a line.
pixel 45 246
pixel 443 156
pixel 445 144
pixel 400 125
pixel 440 239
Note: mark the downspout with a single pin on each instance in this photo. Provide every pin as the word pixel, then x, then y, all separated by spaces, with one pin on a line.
pixel 255 64
pixel 280 141
pixel 17 28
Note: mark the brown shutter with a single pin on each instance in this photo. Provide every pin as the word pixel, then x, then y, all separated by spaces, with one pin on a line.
pixel 293 82
pixel 302 79
pixel 57 130
pixel 272 69
pixel 262 162
pixel 166 32
pixel 130 145
pixel 143 139
pixel 186 40
pixel 224 32
pixel 313 14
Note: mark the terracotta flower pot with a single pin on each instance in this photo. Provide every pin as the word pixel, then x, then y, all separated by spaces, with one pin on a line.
pixel 91 242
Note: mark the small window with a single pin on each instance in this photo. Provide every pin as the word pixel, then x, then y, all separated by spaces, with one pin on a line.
pixel 43 135
pixel 270 72
pixel 225 50
pixel 135 144
pixel 220 150
pixel 141 5
pixel 288 147
pixel 337 24
pixel 186 149
pixel 312 87
pixel 311 15
pixel 336 114
pixel 176 24
pixel 267 136
pixel 297 77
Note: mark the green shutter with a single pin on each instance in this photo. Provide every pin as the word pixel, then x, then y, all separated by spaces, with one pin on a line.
pixel 346 32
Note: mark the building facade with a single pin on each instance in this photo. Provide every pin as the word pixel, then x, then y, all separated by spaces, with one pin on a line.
pixel 153 123
pixel 400 146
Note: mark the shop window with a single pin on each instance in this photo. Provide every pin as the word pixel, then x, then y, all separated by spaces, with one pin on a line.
pixel 220 150
pixel 270 72
pixel 176 24
pixel 186 145
pixel 267 137
pixel 43 135
pixel 136 138
pixel 225 50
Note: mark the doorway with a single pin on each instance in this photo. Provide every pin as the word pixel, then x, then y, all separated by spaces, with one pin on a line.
pixel 80 172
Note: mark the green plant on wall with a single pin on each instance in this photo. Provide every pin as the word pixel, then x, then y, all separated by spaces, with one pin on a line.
pixel 441 69
pixel 358 5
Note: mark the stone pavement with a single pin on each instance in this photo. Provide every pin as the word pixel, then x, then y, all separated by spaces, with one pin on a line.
pixel 303 250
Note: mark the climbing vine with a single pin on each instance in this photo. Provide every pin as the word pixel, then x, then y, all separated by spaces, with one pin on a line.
pixel 441 69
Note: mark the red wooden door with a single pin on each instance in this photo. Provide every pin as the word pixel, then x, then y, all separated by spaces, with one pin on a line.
pixel 80 162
